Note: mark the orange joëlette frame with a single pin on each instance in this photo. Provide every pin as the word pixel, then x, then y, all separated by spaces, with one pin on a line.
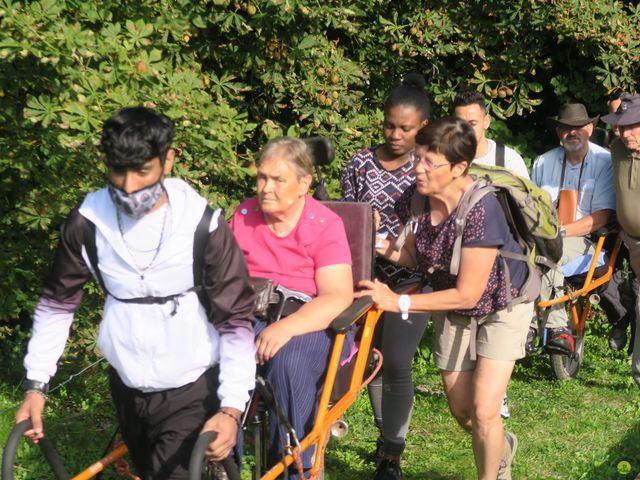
pixel 589 285
pixel 113 456
pixel 326 416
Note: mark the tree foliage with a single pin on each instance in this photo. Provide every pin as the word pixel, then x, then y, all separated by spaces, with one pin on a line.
pixel 232 74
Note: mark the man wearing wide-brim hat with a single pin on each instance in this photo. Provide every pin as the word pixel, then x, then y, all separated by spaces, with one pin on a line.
pixel 578 176
pixel 625 151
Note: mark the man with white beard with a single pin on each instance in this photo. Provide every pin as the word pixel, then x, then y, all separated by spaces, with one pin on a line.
pixel 578 176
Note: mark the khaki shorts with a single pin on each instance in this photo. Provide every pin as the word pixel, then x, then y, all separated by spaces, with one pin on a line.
pixel 499 336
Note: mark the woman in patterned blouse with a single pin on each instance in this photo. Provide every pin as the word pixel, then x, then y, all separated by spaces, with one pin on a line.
pixel 477 338
pixel 379 175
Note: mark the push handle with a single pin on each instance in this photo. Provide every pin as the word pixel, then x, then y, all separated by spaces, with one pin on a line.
pixel 11 447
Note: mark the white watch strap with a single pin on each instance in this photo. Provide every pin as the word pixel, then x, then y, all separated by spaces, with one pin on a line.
pixel 404 304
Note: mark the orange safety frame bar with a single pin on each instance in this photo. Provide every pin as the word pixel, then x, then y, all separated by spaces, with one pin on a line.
pixel 578 321
pixel 326 416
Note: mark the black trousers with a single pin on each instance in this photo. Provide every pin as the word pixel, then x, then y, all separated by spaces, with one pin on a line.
pixel 161 428
pixel 618 298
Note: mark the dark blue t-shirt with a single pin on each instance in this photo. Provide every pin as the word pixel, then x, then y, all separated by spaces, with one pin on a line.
pixel 486 226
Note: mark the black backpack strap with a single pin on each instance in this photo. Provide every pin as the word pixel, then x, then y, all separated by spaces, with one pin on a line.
pixel 200 238
pixel 201 235
pixel 500 154
pixel 89 237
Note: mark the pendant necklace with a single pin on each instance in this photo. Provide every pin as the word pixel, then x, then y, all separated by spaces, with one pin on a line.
pixel 143 270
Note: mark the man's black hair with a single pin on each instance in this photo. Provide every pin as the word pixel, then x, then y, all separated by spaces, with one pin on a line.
pixel 410 92
pixel 135 135
pixel 465 98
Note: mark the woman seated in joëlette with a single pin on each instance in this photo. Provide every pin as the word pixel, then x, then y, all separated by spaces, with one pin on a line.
pixel 293 239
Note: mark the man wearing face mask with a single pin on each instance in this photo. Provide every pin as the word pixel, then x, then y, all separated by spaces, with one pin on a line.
pixel 180 348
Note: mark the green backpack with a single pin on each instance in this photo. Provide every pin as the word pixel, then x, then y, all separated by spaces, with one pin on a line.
pixel 529 212
pixel 531 216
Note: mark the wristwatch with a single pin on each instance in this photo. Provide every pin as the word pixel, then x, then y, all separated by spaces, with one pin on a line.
pixel 404 304
pixel 35 385
pixel 563 232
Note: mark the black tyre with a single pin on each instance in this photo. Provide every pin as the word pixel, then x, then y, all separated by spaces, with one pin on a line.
pixel 566 367
pixel 11 448
pixel 197 462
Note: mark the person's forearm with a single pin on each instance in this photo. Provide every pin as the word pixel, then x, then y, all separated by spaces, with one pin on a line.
pixel 444 300
pixel 237 365
pixel 386 249
pixel 588 224
pixel 318 314
pixel 51 324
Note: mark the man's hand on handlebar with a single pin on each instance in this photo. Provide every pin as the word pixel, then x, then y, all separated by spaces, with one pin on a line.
pixel 32 408
pixel 226 424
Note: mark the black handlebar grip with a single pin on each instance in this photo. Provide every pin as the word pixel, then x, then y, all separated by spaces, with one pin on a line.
pixel 354 311
pixel 11 447
pixel 197 458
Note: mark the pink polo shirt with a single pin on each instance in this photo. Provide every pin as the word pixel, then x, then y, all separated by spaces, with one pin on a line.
pixel 318 240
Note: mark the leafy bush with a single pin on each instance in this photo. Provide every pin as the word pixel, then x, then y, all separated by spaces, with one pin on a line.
pixel 234 73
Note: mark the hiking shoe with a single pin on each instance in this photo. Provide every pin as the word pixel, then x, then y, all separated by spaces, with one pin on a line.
pixel 560 341
pixel 504 408
pixel 388 469
pixel 617 338
pixel 511 443
pixel 530 346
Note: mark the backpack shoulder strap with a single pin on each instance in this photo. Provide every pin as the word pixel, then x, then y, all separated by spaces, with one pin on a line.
pixel 418 206
pixel 500 154
pixel 200 237
pixel 500 150
pixel 473 195
pixel 89 238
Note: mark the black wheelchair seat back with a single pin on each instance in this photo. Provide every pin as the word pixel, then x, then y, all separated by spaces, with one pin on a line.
pixel 358 223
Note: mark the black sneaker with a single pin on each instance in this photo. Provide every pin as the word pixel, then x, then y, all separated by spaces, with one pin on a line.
pixel 617 338
pixel 388 469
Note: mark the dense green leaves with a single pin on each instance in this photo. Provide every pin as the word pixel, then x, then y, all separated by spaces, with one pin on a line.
pixel 232 74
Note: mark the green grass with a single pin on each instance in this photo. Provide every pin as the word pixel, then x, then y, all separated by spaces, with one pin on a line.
pixel 581 429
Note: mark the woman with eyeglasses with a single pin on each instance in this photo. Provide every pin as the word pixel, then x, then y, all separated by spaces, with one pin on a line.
pixel 379 175
pixel 477 340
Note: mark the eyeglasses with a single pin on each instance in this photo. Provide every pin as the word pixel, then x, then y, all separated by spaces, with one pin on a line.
pixel 427 164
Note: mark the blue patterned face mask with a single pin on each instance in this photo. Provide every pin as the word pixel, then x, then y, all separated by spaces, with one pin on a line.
pixel 136 204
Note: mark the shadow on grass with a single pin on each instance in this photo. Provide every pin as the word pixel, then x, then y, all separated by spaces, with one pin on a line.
pixel 534 367
pixel 595 372
pixel 343 469
pixel 622 462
